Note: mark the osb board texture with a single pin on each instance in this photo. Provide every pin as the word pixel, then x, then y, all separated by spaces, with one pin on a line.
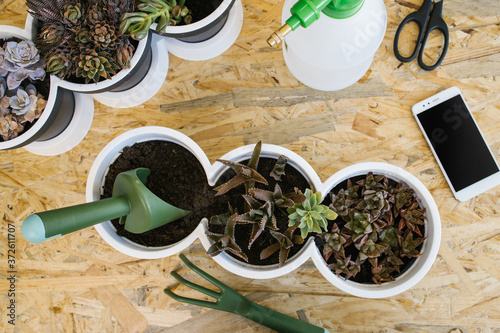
pixel 78 283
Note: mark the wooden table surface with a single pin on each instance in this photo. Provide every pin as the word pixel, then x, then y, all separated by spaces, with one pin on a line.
pixel 78 283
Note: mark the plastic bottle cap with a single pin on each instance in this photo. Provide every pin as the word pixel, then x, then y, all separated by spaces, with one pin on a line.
pixel 341 9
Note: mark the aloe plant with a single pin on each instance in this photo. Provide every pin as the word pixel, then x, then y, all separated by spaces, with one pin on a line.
pixel 261 206
pixel 245 174
pixel 284 242
pixel 225 241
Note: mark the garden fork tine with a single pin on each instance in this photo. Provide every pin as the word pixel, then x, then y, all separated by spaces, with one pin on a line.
pixel 196 287
pixel 226 303
pixel 231 301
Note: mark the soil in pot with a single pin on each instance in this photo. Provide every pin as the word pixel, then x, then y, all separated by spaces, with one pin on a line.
pixel 202 8
pixel 289 181
pixel 177 177
pixel 365 274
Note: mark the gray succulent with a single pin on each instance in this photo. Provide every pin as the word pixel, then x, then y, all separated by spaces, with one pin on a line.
pixel 19 61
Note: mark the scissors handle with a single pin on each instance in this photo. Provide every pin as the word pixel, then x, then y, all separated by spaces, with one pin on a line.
pixel 436 22
pixel 420 17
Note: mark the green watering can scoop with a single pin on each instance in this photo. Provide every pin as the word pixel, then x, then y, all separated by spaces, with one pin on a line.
pixel 137 207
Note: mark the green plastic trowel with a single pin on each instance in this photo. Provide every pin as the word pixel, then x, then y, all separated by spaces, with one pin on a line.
pixel 137 207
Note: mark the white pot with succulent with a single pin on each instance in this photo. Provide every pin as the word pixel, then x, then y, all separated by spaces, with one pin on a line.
pixel 277 247
pixel 82 46
pixel 373 221
pixel 387 234
pixel 35 113
pixel 194 30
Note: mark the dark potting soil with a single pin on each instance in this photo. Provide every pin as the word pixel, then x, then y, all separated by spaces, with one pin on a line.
pixel 292 179
pixel 42 86
pixel 202 8
pixel 365 275
pixel 177 177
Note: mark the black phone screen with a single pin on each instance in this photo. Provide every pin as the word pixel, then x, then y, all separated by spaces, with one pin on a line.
pixel 456 139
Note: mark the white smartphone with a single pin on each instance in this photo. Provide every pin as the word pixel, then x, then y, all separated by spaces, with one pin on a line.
pixel 457 143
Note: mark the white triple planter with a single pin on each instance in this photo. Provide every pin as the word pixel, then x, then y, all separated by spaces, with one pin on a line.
pixel 183 42
pixel 226 22
pixel 151 57
pixel 405 281
pixel 68 115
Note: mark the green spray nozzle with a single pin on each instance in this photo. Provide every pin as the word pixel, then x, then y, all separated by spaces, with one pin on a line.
pixel 305 12
pixel 136 206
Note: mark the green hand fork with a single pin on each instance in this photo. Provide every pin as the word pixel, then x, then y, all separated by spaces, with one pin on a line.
pixel 136 206
pixel 231 301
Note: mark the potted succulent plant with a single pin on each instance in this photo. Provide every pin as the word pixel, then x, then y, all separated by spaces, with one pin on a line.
pixel 81 44
pixel 20 61
pixel 375 222
pixel 387 233
pixel 195 30
pixel 406 240
pixel 35 113
pixel 252 235
pixel 144 147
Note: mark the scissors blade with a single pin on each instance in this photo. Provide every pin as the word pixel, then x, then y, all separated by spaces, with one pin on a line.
pixel 435 22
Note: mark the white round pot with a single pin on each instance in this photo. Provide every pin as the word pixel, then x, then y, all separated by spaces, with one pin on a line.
pixel 260 271
pixel 133 73
pixel 215 45
pixel 156 68
pixel 66 119
pixel 107 231
pixel 96 180
pixel 430 246
pixel 203 29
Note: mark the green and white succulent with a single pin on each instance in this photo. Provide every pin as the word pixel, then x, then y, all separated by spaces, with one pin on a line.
pixel 312 215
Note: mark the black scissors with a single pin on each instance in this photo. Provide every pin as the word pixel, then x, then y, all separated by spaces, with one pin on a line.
pixel 428 18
